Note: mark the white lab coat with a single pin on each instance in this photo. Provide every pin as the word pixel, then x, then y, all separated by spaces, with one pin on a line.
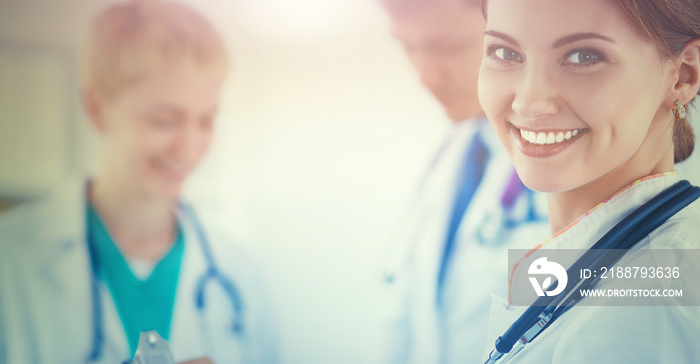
pixel 618 334
pixel 418 332
pixel 45 293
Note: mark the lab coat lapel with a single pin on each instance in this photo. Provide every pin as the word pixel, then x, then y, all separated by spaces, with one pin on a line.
pixel 433 212
pixel 195 333
pixel 116 347
pixel 66 265
pixel 425 261
pixel 184 343
pixel 65 259
pixel 434 209
pixel 501 317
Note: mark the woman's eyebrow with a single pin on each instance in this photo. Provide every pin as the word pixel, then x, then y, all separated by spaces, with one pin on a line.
pixel 503 36
pixel 579 36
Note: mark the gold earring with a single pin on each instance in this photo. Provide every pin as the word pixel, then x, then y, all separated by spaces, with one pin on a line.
pixel 679 110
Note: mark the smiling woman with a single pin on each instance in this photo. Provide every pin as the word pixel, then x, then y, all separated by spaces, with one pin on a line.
pixel 584 109
pixel 589 100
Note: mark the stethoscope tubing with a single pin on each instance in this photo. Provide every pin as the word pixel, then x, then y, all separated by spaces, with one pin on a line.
pixel 649 223
pixel 212 273
pixel 97 315
pixel 623 236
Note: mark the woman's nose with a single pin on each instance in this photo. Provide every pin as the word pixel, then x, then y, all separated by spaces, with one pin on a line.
pixel 535 95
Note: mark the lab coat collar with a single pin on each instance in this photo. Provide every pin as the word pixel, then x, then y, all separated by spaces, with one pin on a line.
pixel 591 226
pixel 460 132
pixel 461 135
pixel 582 234
pixel 441 171
pixel 477 121
pixel 64 207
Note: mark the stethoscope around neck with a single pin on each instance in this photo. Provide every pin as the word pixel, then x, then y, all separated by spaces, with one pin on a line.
pixel 212 273
pixel 605 252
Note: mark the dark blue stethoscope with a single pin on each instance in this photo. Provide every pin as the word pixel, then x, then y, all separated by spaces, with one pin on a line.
pixel 212 273
pixel 606 252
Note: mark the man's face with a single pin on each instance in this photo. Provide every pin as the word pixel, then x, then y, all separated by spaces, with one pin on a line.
pixel 443 40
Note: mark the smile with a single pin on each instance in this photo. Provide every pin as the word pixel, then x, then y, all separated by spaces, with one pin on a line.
pixel 541 138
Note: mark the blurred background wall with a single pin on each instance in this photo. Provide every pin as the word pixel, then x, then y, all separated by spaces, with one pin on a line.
pixel 323 131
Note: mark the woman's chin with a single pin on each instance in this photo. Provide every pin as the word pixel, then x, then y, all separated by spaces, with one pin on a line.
pixel 542 182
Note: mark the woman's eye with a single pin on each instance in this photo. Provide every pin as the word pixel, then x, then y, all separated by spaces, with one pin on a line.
pixel 583 57
pixel 506 54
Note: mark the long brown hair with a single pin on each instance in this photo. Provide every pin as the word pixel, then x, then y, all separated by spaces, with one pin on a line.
pixel 670 24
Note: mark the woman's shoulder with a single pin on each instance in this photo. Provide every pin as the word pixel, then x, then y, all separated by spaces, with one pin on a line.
pixel 605 334
pixel 681 231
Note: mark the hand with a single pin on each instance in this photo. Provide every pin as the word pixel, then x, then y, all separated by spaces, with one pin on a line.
pixel 204 360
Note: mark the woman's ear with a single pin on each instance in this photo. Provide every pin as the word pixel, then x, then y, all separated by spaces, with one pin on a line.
pixel 93 108
pixel 688 82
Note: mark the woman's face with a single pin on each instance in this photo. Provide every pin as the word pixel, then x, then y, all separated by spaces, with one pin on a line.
pixel 156 131
pixel 575 94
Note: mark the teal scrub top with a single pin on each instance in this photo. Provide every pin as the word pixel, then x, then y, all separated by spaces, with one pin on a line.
pixel 142 304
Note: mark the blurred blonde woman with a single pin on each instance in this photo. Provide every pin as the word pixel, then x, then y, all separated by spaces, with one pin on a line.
pixel 87 268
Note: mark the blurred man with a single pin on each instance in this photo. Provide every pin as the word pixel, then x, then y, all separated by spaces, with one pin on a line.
pixel 470 205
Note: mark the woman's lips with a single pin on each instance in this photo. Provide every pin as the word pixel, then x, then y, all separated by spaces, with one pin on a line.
pixel 545 143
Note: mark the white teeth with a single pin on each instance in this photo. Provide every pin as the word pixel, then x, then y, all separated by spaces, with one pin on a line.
pixel 532 137
pixel 559 138
pixel 548 138
pixel 541 138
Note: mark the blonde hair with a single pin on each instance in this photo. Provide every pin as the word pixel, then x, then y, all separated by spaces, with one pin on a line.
pixel 134 38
